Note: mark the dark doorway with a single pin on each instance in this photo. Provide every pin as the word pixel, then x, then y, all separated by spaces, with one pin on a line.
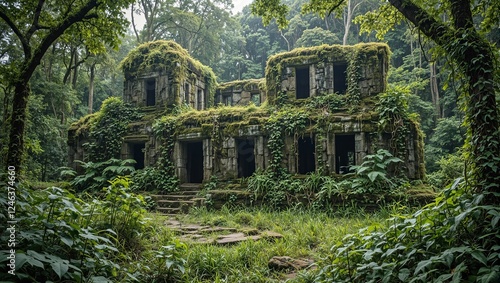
pixel 345 153
pixel 246 157
pixel 137 153
pixel 306 152
pixel 302 87
pixel 340 78
pixel 150 92
pixel 194 166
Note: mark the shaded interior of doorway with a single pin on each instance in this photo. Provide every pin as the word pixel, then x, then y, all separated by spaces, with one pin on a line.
pixel 194 159
pixel 246 157
pixel 137 152
pixel 306 150
pixel 345 153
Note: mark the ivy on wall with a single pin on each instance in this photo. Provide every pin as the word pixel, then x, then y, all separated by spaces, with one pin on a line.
pixel 107 128
pixel 396 119
pixel 356 56
pixel 167 55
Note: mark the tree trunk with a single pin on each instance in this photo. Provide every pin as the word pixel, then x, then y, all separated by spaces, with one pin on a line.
pixel 16 136
pixel 91 87
pixel 434 89
pixel 474 56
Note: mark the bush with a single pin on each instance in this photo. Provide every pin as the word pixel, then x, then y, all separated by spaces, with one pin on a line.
pixel 64 238
pixel 438 243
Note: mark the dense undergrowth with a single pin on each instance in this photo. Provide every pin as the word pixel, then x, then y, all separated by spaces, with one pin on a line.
pixel 454 239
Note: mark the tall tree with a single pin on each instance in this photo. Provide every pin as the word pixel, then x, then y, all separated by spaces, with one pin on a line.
pixel 37 24
pixel 451 26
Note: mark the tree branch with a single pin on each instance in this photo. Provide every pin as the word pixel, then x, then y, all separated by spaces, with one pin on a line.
pixel 17 32
pixel 462 14
pixel 420 18
pixel 55 33
pixel 36 18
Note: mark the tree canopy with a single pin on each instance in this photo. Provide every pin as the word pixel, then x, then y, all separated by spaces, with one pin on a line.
pixel 34 26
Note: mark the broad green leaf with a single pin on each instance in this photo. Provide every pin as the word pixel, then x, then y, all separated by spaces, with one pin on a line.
pixel 60 268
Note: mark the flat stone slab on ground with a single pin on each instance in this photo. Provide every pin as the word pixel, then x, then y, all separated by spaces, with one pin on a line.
pixel 286 262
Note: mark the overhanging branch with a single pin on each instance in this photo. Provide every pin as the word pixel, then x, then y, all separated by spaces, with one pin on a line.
pixel 17 32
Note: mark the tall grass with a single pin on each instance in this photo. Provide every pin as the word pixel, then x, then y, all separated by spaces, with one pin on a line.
pixel 306 234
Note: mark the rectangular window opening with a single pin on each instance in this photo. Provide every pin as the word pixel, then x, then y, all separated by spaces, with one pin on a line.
pixel 255 98
pixel 150 92
pixel 345 153
pixel 306 155
pixel 302 86
pixel 340 78
pixel 246 157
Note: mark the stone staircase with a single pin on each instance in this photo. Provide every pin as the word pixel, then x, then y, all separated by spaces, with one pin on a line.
pixel 180 201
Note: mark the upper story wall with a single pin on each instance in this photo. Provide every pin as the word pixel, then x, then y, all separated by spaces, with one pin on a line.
pixel 162 74
pixel 241 93
pixel 356 71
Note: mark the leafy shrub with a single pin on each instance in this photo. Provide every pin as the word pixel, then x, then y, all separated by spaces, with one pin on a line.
pixel 97 174
pixel 64 238
pixel 165 264
pixel 154 179
pixel 438 243
pixel 372 175
pixel 451 167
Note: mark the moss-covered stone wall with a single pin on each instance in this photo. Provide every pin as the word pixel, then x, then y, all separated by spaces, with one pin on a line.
pixel 167 70
pixel 241 93
pixel 218 125
pixel 366 66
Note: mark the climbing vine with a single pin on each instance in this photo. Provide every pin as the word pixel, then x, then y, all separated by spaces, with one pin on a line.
pixel 280 124
pixel 395 118
pixel 162 175
pixel 107 128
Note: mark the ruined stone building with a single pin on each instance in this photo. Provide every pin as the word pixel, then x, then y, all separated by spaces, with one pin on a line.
pixel 316 109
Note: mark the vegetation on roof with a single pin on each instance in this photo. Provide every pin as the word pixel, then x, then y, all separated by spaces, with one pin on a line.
pixel 161 55
pixel 243 84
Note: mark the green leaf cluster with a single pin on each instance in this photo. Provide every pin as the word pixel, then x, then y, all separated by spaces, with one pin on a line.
pixel 61 237
pixel 454 239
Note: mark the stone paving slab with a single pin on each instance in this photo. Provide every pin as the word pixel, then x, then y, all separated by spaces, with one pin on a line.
pixel 197 233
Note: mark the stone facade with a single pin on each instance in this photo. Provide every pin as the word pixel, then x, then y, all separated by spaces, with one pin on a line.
pixel 234 145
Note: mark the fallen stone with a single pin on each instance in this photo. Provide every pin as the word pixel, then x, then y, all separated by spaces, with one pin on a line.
pixel 271 234
pixel 281 263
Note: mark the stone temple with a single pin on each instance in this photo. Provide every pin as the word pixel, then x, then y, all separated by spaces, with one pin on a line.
pixel 315 110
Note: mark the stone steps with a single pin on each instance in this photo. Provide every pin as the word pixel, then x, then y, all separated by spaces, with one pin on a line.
pixel 180 201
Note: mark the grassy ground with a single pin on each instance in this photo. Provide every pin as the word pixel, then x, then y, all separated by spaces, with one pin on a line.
pixel 307 235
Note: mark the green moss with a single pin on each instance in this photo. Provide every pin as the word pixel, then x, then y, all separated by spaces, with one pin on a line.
pixel 247 85
pixel 356 56
pixel 167 55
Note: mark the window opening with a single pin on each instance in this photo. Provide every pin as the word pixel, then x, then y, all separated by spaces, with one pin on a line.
pixel 302 87
pixel 150 92
pixel 340 78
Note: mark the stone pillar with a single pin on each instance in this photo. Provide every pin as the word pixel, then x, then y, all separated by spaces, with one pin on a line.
pixel 290 155
pixel 180 162
pixel 207 159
